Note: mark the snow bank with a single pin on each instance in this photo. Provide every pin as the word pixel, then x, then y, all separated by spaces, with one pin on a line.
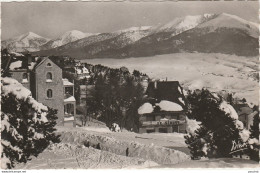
pixel 181 100
pixel 10 85
pixel 4 160
pixel 229 110
pixel 239 125
pixel 71 156
pixel 97 129
pixel 154 153
pixel 244 134
pixel 115 128
pixel 192 125
pixel 145 108
pixel 253 141
pixel 5 122
pixel 169 106
pixel 205 149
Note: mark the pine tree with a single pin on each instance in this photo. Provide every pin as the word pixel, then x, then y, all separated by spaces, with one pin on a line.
pixel 254 147
pixel 217 130
pixel 27 126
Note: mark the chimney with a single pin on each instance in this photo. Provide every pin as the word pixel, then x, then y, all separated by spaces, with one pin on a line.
pixel 29 59
pixel 33 59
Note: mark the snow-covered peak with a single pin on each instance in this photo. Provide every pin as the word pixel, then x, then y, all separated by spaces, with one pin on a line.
pixel 225 20
pixel 28 41
pixel 133 34
pixel 134 29
pixel 179 25
pixel 68 37
pixel 73 34
pixel 27 36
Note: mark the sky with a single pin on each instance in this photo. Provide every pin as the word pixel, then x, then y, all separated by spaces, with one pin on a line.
pixel 52 19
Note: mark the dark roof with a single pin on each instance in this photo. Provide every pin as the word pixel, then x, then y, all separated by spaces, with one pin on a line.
pixel 25 65
pixel 166 90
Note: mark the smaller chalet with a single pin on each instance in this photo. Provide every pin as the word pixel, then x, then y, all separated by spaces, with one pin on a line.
pixel 164 108
pixel 82 72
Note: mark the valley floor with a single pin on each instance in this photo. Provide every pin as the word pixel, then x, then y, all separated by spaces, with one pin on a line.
pixel 217 72
pixel 78 150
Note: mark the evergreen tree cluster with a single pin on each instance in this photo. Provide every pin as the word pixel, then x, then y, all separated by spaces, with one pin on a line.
pixel 117 96
pixel 218 129
pixel 254 137
pixel 116 93
pixel 27 126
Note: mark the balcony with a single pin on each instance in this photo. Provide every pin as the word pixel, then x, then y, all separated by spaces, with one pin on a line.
pixel 163 122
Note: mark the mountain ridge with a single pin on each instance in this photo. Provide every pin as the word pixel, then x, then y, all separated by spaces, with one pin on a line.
pixel 67 37
pixel 208 33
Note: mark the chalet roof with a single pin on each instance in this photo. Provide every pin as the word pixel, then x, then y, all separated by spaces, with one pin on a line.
pixel 70 99
pixel 42 59
pixel 166 90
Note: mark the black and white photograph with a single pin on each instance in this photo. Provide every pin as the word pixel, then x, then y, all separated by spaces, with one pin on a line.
pixel 129 85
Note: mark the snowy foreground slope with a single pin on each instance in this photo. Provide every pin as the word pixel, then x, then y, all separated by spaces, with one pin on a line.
pixel 145 151
pixel 216 72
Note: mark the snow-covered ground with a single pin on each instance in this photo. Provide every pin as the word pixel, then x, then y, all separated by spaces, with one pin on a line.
pixel 77 150
pixel 215 163
pixel 196 70
pixel 144 150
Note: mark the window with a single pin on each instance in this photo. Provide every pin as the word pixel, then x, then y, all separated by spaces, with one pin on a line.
pixel 150 118
pixel 163 130
pixel 69 90
pixel 49 77
pixel 69 109
pixel 25 78
pixel 150 130
pixel 48 64
pixel 49 93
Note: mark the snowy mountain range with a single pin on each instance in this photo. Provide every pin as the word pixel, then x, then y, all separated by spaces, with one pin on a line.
pixel 29 41
pixel 67 37
pixel 207 33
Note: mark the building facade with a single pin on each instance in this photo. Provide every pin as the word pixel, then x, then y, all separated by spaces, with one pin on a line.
pixel 163 122
pixel 44 79
pixel 164 109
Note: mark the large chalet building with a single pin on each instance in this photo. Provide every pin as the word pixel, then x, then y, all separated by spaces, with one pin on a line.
pixel 44 79
pixel 164 109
